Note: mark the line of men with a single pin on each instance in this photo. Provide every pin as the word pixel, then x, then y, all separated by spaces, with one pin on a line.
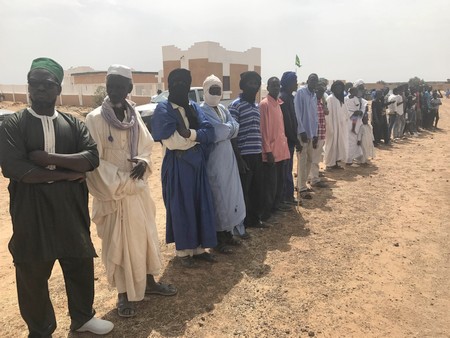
pixel 229 169
pixel 224 170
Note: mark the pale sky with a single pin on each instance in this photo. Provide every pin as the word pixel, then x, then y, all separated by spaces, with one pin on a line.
pixel 390 40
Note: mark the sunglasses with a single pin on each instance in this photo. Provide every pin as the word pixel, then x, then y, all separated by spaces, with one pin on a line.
pixel 46 84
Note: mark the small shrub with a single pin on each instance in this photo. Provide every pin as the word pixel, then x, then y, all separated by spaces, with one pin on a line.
pixel 99 96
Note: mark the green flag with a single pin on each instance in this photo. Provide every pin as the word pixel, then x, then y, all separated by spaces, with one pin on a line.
pixel 297 61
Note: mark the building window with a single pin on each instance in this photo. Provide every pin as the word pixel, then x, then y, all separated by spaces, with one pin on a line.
pixel 226 83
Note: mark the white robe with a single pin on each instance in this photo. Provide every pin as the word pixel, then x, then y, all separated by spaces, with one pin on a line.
pixel 336 136
pixel 123 209
pixel 354 104
pixel 365 135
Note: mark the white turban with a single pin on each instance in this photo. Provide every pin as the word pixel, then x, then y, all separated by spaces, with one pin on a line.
pixel 211 100
pixel 358 83
pixel 120 70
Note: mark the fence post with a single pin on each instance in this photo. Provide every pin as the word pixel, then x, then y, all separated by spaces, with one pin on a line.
pixel 80 96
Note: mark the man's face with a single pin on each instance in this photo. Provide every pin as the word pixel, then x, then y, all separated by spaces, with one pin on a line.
pixel 361 91
pixel 353 91
pixel 339 88
pixel 118 88
pixel 43 87
pixel 273 87
pixel 319 92
pixel 215 90
pixel 294 87
pixel 252 85
pixel 312 82
pixel 179 88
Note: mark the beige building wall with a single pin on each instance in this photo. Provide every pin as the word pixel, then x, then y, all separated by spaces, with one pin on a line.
pixel 89 78
pixel 100 77
pixel 206 58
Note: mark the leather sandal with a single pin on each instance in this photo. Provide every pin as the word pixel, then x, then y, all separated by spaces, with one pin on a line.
pixel 125 308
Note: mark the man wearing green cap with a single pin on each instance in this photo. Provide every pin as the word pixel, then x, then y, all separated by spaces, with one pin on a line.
pixel 46 154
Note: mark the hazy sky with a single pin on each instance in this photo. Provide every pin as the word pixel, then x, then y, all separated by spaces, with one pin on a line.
pixel 390 40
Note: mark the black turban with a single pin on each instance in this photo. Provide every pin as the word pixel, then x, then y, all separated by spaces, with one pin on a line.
pixel 179 74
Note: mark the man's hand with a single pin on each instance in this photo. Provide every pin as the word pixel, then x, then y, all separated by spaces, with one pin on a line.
pixel 298 147
pixel 314 142
pixel 304 137
pixel 183 131
pixel 137 173
pixel 181 127
pixel 270 158
pixel 242 166
pixel 40 157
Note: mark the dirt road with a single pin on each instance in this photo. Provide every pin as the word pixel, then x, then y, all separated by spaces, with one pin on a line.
pixel 369 257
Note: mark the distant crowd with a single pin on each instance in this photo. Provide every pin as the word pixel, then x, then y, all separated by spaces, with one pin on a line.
pixel 408 110
pixel 225 170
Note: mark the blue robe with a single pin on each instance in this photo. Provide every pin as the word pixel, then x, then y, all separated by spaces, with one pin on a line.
pixel 190 216
pixel 223 171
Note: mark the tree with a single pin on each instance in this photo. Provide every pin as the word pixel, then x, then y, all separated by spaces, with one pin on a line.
pixel 99 96
pixel 415 82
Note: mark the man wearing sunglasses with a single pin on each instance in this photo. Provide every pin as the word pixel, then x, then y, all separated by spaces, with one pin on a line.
pixel 46 154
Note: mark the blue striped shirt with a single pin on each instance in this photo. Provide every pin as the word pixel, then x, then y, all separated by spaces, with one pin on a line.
pixel 247 115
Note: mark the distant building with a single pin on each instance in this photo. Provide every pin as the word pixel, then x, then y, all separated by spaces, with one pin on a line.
pixel 144 83
pixel 206 58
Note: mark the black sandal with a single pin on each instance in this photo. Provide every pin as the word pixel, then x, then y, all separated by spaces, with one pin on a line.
pixel 231 240
pixel 206 256
pixel 223 248
pixel 125 308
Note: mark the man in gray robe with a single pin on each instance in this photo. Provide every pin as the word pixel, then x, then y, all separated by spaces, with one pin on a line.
pixel 222 169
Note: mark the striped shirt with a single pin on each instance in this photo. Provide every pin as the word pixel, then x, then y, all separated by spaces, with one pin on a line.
pixel 247 115
pixel 321 115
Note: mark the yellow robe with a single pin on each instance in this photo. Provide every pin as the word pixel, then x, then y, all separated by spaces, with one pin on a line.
pixel 123 209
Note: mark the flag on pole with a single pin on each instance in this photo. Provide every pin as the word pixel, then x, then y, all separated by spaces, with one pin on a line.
pixel 297 61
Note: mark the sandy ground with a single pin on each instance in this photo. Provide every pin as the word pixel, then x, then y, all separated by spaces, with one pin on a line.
pixel 368 257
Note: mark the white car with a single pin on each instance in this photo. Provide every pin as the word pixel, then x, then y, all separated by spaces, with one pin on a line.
pixel 195 94
pixel 4 113
pixel 146 110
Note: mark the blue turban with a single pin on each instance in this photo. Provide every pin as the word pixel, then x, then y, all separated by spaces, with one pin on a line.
pixel 288 79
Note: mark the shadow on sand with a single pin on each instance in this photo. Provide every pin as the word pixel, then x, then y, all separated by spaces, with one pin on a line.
pixel 201 288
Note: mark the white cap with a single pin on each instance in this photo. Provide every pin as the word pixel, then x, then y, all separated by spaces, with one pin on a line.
pixel 358 83
pixel 120 70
